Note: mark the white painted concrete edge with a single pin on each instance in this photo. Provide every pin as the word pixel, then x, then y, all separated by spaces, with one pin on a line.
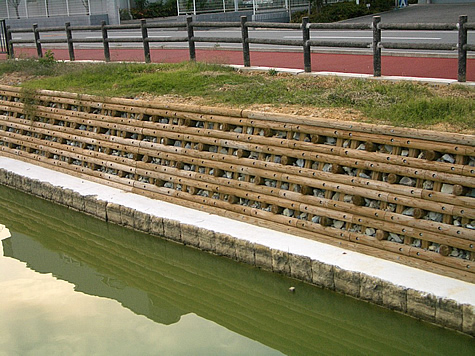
pixel 397 274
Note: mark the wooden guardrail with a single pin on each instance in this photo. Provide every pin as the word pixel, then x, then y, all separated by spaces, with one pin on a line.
pixel 306 43
pixel 401 194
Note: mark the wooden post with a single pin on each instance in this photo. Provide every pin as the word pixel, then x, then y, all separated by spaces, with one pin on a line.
pixel 306 47
pixel 69 39
pixel 191 42
pixel 11 53
pixel 146 46
pixel 376 47
pixel 105 42
pixel 245 43
pixel 462 49
pixel 36 34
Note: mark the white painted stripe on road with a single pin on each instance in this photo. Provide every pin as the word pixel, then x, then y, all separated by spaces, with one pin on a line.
pixel 367 38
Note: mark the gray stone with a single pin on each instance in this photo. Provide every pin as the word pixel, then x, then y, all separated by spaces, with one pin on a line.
pixel 447 189
pixel 172 230
pixel 225 245
pixel 280 262
pixel 263 256
pixel 407 181
pixel 323 275
pixel 421 305
pixel 347 282
pixel 300 267
pixel 449 313
pixel 371 289
pixel 394 297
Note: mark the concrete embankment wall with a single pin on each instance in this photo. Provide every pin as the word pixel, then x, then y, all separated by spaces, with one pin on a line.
pixel 442 300
pixel 398 194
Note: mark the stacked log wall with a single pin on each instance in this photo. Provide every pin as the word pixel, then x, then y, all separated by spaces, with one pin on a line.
pixel 402 194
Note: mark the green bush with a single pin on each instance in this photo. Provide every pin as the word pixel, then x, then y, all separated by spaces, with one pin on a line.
pixel 144 9
pixel 344 10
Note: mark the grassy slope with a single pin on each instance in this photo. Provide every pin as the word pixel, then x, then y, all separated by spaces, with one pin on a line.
pixel 402 104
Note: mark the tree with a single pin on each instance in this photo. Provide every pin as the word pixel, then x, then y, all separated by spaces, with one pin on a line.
pixel 85 3
pixel 16 5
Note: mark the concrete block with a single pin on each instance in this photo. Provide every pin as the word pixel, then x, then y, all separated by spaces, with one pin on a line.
pixel 90 205
pixel 127 216
pixel 323 275
pixel 280 262
pixel 101 209
pixel 421 305
pixel 46 190
pixel 347 282
pixel 172 230
pixel 36 187
pixel 67 198
pixel 394 297
pixel 156 226
pixel 189 235
pixel 449 313
pixel 57 195
pixel 113 213
pixel 225 245
pixel 245 252
pixel 300 267
pixel 263 256
pixel 141 221
pixel 25 184
pixel 207 240
pixel 468 322
pixel 78 201
pixel 371 289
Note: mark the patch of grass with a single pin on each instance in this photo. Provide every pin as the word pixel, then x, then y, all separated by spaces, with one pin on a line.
pixel 403 103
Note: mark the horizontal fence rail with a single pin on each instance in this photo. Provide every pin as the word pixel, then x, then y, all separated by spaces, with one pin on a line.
pixel 306 43
pixel 401 194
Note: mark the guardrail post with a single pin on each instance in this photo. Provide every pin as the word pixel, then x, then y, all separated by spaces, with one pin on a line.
pixel 146 46
pixel 36 34
pixel 306 47
pixel 245 44
pixel 376 46
pixel 69 39
pixel 11 53
pixel 462 49
pixel 191 42
pixel 105 42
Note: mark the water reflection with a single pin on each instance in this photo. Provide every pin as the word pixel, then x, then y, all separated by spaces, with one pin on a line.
pixel 169 284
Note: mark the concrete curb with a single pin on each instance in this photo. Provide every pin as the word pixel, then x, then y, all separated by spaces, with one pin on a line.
pixel 452 307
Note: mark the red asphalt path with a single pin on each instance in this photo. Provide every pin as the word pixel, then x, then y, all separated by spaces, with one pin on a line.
pixel 422 67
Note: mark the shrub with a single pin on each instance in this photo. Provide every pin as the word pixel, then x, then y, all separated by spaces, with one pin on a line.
pixel 144 9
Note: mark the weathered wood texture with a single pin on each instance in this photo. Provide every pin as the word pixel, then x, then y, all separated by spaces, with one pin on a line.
pixel 402 194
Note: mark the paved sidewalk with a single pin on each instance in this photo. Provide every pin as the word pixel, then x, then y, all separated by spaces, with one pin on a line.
pixel 419 68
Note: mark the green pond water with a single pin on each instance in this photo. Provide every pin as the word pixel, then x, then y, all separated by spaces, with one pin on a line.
pixel 74 285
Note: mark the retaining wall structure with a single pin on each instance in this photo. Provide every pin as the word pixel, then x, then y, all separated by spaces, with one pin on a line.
pixel 399 194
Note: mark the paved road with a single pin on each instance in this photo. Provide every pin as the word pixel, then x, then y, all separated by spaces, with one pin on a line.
pixel 433 13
